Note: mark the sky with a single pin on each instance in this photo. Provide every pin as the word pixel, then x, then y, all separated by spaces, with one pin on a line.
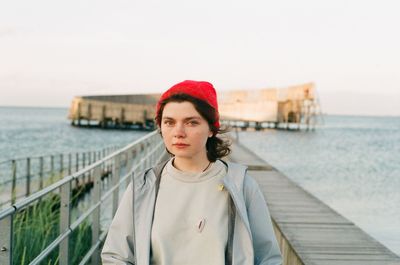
pixel 51 51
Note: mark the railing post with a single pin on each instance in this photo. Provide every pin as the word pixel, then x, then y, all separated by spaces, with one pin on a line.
pixel 69 164
pixel 6 232
pixel 61 166
pixel 14 182
pixel 115 181
pixel 77 162
pixel 96 196
pixel 89 163
pixel 83 166
pixel 51 165
pixel 41 173
pixel 65 221
pixel 129 164
pixel 28 176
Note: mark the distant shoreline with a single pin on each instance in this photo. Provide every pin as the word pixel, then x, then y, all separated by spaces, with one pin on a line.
pixel 327 114
pixel 32 107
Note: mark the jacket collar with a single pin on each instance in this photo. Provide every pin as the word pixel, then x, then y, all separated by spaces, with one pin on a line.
pixel 234 181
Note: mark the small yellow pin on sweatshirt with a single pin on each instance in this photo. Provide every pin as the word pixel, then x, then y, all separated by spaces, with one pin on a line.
pixel 221 187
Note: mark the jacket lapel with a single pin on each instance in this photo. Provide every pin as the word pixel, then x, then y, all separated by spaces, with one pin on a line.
pixel 145 195
pixel 234 184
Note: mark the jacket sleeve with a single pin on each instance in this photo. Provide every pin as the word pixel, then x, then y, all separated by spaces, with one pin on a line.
pixel 266 249
pixel 119 245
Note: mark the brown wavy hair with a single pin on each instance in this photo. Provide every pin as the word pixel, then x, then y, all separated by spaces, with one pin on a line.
pixel 216 146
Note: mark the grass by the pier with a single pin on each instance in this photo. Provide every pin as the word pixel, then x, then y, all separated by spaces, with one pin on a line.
pixel 37 226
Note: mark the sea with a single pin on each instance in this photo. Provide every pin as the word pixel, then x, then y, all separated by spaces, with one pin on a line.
pixel 351 163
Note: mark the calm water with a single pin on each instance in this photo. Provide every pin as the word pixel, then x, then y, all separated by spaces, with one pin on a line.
pixel 43 131
pixel 352 163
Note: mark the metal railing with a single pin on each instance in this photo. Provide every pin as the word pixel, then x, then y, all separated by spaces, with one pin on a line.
pixel 21 177
pixel 135 157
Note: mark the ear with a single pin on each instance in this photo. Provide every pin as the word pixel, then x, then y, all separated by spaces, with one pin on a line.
pixel 159 131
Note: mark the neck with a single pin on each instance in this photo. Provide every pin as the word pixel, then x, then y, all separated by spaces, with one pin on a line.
pixel 191 165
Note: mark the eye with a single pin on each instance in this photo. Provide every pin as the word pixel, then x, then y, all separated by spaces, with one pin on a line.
pixel 193 123
pixel 168 122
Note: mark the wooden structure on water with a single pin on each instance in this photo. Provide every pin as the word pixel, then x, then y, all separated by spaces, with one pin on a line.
pixel 118 111
pixel 288 108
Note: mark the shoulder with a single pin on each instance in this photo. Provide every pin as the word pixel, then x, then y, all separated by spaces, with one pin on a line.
pixel 251 189
pixel 239 175
pixel 235 173
pixel 245 183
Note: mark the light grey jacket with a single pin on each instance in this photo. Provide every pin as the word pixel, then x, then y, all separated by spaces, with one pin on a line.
pixel 251 236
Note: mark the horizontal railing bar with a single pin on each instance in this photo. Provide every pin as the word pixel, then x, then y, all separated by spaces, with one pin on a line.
pixel 93 248
pixel 37 195
pixel 108 193
pixel 126 148
pixel 50 247
pixel 78 221
pixel 6 212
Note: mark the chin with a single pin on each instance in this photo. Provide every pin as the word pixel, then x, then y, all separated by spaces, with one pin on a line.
pixel 178 154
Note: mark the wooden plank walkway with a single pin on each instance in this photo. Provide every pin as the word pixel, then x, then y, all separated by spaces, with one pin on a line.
pixel 316 233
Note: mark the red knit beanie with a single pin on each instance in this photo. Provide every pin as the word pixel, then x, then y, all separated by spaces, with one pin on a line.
pixel 198 89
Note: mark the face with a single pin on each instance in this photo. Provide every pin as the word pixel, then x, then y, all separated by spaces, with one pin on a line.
pixel 184 130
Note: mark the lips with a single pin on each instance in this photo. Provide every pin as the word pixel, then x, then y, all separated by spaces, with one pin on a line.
pixel 180 145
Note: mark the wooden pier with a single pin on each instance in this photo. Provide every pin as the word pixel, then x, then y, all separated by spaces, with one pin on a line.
pixel 309 232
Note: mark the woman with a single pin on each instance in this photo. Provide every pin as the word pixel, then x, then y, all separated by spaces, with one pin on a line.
pixel 193 208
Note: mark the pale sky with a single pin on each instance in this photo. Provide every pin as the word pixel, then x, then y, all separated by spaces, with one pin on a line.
pixel 51 51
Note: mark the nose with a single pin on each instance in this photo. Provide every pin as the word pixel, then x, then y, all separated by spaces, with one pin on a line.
pixel 179 131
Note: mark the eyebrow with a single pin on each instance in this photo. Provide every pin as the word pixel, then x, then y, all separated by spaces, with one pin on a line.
pixel 185 119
